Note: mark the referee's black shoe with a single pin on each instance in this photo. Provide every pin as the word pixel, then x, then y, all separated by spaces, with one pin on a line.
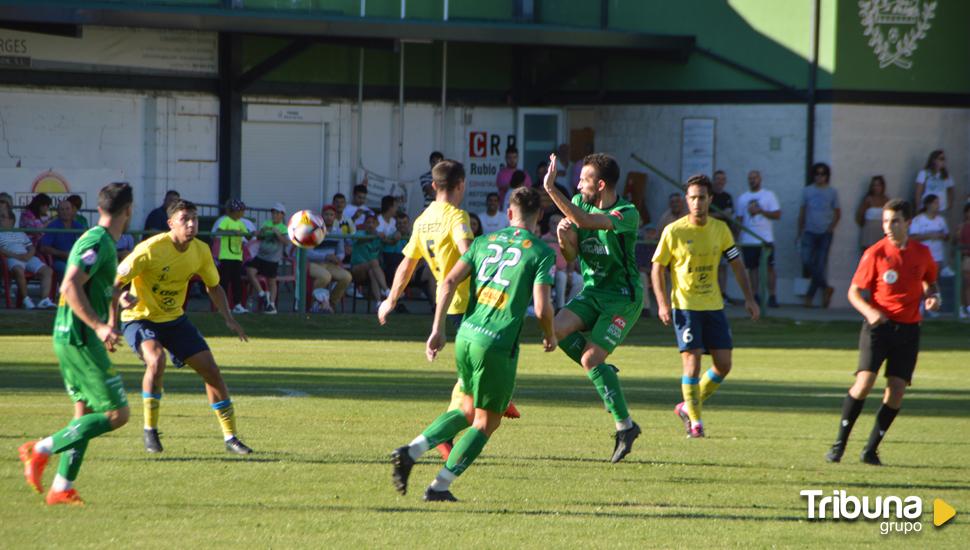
pixel 624 442
pixel 835 453
pixel 402 462
pixel 237 447
pixel 430 495
pixel 152 443
pixel 870 457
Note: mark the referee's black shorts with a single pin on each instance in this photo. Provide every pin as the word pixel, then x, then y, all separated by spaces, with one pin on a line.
pixel 895 343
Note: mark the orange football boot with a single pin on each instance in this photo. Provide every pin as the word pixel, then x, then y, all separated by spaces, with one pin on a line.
pixel 34 464
pixel 511 411
pixel 69 497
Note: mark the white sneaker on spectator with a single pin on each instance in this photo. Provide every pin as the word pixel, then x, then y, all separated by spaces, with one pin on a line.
pixel 46 303
pixel 270 308
pixel 28 303
pixel 239 309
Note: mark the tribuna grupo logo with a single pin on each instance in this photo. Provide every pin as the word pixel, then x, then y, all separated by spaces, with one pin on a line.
pixel 895 514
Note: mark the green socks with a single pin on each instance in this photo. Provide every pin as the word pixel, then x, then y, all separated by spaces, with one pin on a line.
pixel 79 431
pixel 71 459
pixel 466 451
pixel 445 427
pixel 607 385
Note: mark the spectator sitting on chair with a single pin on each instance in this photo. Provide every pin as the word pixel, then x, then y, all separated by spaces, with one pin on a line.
pixel 365 259
pixel 340 205
pixel 36 216
pixel 125 245
pixel 157 220
pixel 272 240
pixel 326 265
pixel 78 203
pixel 357 211
pixel 58 245
pixel 676 210
pixel 21 259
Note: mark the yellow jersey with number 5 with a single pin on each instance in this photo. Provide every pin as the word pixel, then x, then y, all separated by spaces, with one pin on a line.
pixel 435 238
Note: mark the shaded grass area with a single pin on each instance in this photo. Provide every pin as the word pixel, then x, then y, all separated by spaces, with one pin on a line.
pixel 324 400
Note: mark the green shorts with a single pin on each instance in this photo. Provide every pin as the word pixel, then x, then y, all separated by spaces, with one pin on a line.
pixel 486 374
pixel 608 317
pixel 89 376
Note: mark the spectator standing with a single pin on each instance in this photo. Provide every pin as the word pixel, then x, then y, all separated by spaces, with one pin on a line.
pixel 272 242
pixel 157 219
pixel 724 212
pixel 503 181
pixel 869 213
pixel 491 219
pixel 817 218
pixel 389 235
pixel 36 216
pixel 231 253
pixel 426 180
pixel 21 259
pixel 518 179
pixel 964 234
pixel 934 179
pixel 58 245
pixel 357 211
pixel 325 265
pixel 930 228
pixel 757 211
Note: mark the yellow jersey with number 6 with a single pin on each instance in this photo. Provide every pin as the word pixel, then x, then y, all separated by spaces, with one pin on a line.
pixel 435 238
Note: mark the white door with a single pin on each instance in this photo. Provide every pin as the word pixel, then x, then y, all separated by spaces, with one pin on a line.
pixel 283 158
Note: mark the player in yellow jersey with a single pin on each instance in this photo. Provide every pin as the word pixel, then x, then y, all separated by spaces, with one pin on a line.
pixel 159 270
pixel 692 248
pixel 440 235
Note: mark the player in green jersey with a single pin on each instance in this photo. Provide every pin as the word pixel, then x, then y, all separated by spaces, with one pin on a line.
pixel 505 269
pixel 600 228
pixel 83 330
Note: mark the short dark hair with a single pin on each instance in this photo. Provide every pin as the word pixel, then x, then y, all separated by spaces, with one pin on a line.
pixel 387 202
pixel 338 196
pixel 490 195
pixel 928 199
pixel 114 198
pixel 448 174
pixel 512 149
pixel 820 165
pixel 171 193
pixel 526 200
pixel 360 188
pixel 517 179
pixel 901 206
pixel 76 200
pixel 700 180
pixel 436 156
pixel 606 168
pixel 180 205
pixel 716 172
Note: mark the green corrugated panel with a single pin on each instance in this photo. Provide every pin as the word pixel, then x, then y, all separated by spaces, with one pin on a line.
pixel 496 10
pixel 574 13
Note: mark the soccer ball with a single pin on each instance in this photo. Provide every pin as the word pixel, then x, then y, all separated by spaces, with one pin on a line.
pixel 306 229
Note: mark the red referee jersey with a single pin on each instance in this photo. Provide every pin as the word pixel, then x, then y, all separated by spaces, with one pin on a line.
pixel 894 278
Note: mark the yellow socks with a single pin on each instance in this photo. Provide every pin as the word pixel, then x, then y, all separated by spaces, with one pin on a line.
pixel 150 403
pixel 227 417
pixel 692 398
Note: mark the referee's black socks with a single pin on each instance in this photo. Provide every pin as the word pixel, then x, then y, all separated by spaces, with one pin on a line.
pixel 851 408
pixel 884 419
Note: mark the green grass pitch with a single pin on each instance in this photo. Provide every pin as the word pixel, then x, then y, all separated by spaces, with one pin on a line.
pixel 324 400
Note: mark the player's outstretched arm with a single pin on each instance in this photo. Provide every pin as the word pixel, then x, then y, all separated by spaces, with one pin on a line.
pixel 218 297
pixel 72 289
pixel 575 214
pixel 402 276
pixel 658 279
pixel 545 313
pixel 741 276
pixel 436 341
pixel 568 240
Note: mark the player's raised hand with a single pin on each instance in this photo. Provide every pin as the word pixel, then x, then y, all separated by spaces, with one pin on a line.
pixel 754 311
pixel 663 313
pixel 384 311
pixel 550 182
pixel 109 335
pixel 234 326
pixel 436 343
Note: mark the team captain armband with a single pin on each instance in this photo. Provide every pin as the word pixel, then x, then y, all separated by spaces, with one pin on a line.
pixel 732 253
